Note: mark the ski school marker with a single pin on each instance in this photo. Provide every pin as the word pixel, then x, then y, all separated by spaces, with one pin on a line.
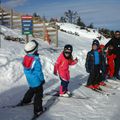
pixel 27 26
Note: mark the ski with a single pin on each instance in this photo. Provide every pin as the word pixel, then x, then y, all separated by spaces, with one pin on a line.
pixel 14 106
pixel 70 96
pixel 46 107
pixel 103 92
pixel 17 105
pixel 110 87
pixel 51 92
pixel 36 116
pixel 113 82
pixel 79 97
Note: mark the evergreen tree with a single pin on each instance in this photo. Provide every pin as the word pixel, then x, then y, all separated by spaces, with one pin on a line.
pixel 62 19
pixel 52 20
pixel 35 14
pixel 91 25
pixel 71 16
pixel 80 23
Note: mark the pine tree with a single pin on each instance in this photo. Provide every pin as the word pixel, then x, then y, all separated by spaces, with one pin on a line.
pixel 35 14
pixel 80 23
pixel 71 16
pixel 62 19
pixel 52 20
pixel 91 25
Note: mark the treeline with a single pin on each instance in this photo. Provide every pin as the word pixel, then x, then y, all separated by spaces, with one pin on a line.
pixel 74 18
pixel 68 17
pixel 106 32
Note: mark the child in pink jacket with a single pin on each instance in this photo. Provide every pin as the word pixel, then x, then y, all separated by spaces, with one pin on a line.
pixel 62 68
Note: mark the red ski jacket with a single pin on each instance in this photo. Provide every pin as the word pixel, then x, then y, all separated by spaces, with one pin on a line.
pixel 62 67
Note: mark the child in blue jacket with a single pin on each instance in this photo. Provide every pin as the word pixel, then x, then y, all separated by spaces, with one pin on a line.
pixel 93 66
pixel 34 75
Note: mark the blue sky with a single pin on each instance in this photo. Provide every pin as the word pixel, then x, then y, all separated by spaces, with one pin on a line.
pixel 103 13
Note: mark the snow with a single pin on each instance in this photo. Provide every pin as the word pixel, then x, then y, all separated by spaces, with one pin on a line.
pixel 74 29
pixel 9 32
pixel 13 82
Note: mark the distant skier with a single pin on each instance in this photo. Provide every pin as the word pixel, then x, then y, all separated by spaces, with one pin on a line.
pixel 110 60
pixel 93 66
pixel 62 68
pixel 34 75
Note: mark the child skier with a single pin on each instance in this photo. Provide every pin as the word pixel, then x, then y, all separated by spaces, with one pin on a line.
pixel 62 68
pixel 110 60
pixel 34 76
pixel 93 66
pixel 103 65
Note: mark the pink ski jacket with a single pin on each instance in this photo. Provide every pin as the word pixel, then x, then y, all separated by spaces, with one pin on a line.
pixel 62 67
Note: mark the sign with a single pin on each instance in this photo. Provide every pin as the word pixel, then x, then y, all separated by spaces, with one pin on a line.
pixel 27 25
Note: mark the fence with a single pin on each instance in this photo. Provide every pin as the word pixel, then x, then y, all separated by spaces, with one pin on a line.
pixel 12 19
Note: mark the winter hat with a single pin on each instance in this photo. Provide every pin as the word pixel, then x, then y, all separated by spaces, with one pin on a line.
pixel 31 47
pixel 68 48
pixel 96 42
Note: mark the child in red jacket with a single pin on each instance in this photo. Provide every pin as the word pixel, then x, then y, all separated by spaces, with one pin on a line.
pixel 110 60
pixel 62 68
pixel 103 65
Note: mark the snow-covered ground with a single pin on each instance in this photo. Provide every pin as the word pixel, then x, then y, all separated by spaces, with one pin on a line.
pixel 13 83
pixel 86 33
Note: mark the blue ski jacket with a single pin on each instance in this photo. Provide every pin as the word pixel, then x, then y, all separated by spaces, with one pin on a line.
pixel 93 58
pixel 33 70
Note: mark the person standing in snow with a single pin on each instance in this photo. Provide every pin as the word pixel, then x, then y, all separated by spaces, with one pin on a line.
pixel 34 75
pixel 115 42
pixel 103 64
pixel 62 68
pixel 110 60
pixel 93 66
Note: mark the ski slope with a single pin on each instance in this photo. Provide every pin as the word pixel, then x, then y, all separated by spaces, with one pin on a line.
pixel 86 32
pixel 13 83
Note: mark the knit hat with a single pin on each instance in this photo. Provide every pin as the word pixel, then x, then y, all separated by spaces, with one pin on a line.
pixel 96 42
pixel 31 47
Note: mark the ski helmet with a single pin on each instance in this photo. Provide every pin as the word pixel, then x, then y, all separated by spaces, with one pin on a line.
pixel 31 47
pixel 68 48
pixel 96 42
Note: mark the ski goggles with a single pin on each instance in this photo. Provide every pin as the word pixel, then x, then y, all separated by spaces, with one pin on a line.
pixel 68 53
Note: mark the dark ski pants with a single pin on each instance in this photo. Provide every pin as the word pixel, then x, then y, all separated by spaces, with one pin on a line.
pixel 64 86
pixel 117 66
pixel 94 77
pixel 104 72
pixel 37 93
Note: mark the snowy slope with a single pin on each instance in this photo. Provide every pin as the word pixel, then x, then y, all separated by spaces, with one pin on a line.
pixel 13 83
pixel 74 29
pixel 9 32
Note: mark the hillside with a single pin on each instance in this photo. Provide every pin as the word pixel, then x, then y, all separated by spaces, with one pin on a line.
pixel 79 31
pixel 13 82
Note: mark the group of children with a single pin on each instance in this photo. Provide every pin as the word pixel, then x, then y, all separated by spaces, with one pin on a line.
pixel 95 65
pixel 100 65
